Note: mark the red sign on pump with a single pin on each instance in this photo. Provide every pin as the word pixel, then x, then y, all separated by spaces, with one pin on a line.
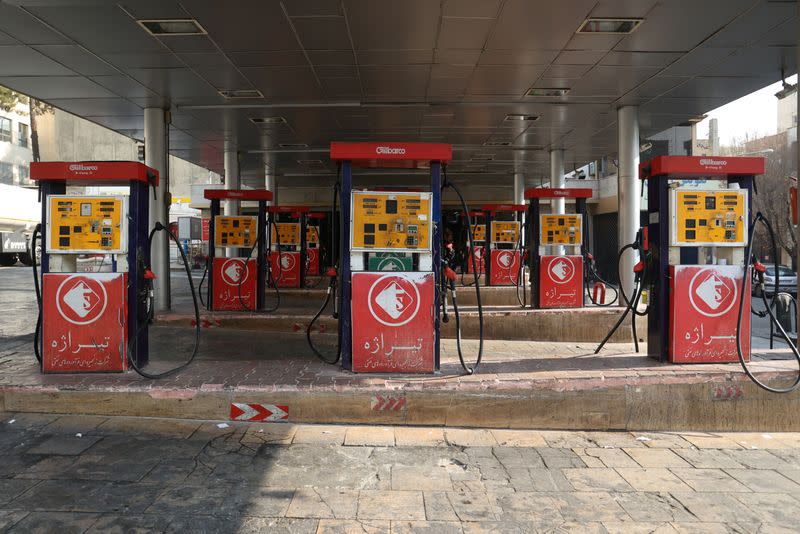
pixel 480 260
pixel 312 261
pixel 287 273
pixel 393 322
pixel 505 267
pixel 704 308
pixel 85 323
pixel 561 282
pixel 235 284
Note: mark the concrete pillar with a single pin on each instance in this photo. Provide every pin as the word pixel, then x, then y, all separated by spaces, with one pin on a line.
pixel 271 185
pixel 628 191
pixel 519 188
pixel 155 156
pixel 557 205
pixel 797 229
pixel 231 208
pixel 557 179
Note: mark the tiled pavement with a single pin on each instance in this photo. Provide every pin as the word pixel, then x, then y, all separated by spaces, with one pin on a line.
pixel 96 474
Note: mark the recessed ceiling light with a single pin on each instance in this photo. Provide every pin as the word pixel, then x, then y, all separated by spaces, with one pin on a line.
pixel 547 91
pixel 292 145
pixel 521 117
pixel 482 157
pixel 268 120
pixel 241 93
pixel 696 119
pixel 497 143
pixel 172 26
pixel 598 25
pixel 309 162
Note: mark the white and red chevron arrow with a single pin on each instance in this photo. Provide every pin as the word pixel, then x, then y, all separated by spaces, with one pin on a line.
pixel 379 403
pixel 241 411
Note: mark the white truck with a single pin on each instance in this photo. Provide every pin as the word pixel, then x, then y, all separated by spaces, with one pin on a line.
pixel 20 212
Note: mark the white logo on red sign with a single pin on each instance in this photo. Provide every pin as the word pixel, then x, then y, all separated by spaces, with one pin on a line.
pixel 81 299
pixel 506 259
pixel 393 300
pixel 478 253
pixel 711 293
pixel 287 261
pixel 560 270
pixel 233 270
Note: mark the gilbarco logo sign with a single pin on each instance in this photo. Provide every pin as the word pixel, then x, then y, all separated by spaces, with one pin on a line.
pixel 390 150
pixel 79 167
pixel 713 162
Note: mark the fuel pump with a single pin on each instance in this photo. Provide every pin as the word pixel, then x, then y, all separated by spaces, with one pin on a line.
pixel 556 249
pixel 237 283
pixel 97 321
pixel 504 225
pixel 475 229
pixel 314 246
pixel 288 246
pixel 697 235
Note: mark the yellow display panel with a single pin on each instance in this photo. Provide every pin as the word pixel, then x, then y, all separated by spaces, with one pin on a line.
pixel 390 221
pixel 312 234
pixel 87 224
pixel 714 217
pixel 505 232
pixel 560 229
pixel 479 232
pixel 235 231
pixel 288 232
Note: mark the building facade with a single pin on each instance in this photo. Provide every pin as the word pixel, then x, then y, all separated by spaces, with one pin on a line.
pixel 15 147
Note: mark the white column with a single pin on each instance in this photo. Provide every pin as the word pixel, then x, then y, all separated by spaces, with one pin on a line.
pixel 155 156
pixel 230 208
pixel 557 205
pixel 797 93
pixel 628 190
pixel 519 188
pixel 557 179
pixel 271 185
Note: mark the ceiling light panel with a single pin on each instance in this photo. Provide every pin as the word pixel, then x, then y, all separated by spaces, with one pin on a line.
pixel 161 27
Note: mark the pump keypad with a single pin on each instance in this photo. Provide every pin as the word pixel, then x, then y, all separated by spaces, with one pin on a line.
pixel 86 224
pixel 391 221
pixel 560 229
pixel 479 232
pixel 288 232
pixel 505 232
pixel 235 231
pixel 708 217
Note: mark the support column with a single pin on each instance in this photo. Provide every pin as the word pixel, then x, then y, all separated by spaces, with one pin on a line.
pixel 628 190
pixel 155 156
pixel 558 206
pixel 797 235
pixel 519 188
pixel 271 185
pixel 231 208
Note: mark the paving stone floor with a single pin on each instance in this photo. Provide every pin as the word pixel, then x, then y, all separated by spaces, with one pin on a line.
pixel 95 474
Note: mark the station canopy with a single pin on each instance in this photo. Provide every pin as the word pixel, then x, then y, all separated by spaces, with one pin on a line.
pixel 504 81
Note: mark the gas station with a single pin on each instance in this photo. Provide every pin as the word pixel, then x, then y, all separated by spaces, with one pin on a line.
pixel 395 220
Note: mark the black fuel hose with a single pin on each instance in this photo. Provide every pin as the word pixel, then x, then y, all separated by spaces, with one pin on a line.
pixel 592 274
pixel 37 331
pixel 134 345
pixel 200 286
pixel 332 286
pixel 523 301
pixel 640 279
pixel 469 370
pixel 747 255
pixel 270 280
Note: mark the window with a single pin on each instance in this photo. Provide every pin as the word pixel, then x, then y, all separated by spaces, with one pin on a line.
pixel 6 173
pixel 5 129
pixel 22 138
pixel 23 175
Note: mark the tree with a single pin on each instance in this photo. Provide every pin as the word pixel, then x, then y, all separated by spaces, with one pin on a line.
pixel 772 197
pixel 11 101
